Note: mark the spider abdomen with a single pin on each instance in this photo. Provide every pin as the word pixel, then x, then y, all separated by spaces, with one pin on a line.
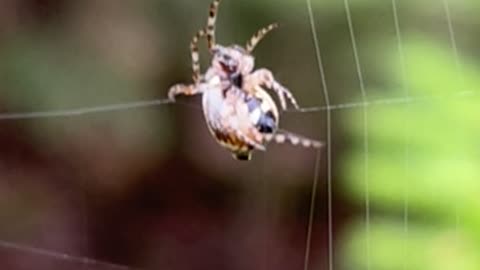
pixel 238 119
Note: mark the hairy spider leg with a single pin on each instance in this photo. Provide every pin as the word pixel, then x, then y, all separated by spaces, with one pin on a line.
pixel 195 54
pixel 258 36
pixel 265 77
pixel 182 89
pixel 212 18
pixel 244 137
pixel 282 136
pixel 280 88
pixel 192 89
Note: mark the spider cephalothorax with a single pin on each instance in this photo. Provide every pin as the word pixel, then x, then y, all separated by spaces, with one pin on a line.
pixel 232 62
pixel 239 112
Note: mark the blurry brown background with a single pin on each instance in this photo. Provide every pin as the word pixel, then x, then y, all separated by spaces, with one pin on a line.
pixel 149 188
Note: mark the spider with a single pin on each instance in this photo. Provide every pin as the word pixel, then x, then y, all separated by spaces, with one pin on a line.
pixel 240 113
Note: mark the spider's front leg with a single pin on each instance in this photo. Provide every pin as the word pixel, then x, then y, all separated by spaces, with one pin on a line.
pixel 195 88
pixel 264 77
pixel 182 89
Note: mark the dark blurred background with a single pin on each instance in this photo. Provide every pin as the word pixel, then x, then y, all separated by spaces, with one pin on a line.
pixel 149 188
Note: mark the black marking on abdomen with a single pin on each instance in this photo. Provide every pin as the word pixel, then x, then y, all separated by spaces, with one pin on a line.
pixel 267 123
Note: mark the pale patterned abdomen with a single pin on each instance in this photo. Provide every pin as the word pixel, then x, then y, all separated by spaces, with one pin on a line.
pixel 238 120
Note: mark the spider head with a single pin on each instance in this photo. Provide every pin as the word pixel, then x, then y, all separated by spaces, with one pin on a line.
pixel 232 60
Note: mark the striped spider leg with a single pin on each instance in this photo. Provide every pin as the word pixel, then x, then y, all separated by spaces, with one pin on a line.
pixel 192 89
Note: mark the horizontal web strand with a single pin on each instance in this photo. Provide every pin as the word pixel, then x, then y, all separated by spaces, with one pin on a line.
pixel 77 112
pixel 399 100
pixel 84 110
pixel 62 256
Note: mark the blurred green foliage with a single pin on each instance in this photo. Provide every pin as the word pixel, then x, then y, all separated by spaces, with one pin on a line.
pixel 423 155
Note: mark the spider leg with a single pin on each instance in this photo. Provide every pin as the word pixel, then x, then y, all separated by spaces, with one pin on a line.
pixel 265 77
pixel 283 136
pixel 182 89
pixel 258 36
pixel 242 136
pixel 193 89
pixel 286 93
pixel 195 55
pixel 281 97
pixel 212 18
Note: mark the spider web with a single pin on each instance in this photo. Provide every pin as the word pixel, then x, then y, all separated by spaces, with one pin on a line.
pixel 324 154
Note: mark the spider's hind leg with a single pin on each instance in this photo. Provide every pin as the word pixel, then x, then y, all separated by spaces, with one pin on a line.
pixel 283 136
